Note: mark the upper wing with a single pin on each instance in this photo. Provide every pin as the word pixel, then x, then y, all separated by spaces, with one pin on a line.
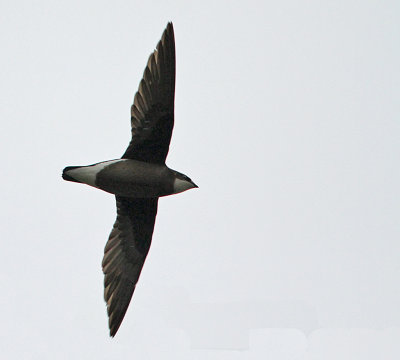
pixel 152 112
pixel 125 253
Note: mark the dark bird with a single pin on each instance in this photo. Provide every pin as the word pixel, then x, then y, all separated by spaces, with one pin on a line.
pixel 138 179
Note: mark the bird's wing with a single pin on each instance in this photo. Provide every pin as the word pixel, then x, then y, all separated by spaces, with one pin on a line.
pixel 152 112
pixel 125 253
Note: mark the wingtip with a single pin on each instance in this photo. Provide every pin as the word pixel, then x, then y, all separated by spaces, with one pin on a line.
pixel 170 27
pixel 114 328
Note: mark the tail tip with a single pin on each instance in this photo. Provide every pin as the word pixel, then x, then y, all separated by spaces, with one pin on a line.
pixel 67 177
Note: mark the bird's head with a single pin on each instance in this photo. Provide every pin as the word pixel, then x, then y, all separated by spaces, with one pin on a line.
pixel 182 183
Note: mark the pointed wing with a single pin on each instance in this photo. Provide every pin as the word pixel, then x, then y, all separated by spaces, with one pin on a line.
pixel 152 112
pixel 125 253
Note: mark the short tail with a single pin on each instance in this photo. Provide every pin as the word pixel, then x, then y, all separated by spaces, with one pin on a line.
pixel 65 176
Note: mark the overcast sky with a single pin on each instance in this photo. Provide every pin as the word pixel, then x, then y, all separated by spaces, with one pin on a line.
pixel 287 117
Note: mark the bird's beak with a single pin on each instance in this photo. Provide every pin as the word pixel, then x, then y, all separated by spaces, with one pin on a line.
pixel 194 185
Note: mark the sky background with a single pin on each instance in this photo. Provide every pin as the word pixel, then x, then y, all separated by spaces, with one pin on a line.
pixel 287 117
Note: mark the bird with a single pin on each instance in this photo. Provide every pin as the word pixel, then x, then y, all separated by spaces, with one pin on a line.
pixel 137 179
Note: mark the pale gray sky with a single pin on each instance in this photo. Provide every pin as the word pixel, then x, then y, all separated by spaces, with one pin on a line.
pixel 287 117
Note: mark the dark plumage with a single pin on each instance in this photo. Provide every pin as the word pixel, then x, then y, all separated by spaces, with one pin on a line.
pixel 152 112
pixel 137 179
pixel 125 253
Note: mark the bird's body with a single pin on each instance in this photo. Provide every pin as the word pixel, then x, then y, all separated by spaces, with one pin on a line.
pixel 138 179
pixel 129 178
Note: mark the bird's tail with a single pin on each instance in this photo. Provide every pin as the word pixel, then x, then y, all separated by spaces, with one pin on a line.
pixel 65 175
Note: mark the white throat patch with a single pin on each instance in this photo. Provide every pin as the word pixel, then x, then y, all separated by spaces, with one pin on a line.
pixel 181 185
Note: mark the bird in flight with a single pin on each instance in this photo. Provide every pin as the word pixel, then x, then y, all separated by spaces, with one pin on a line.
pixel 138 179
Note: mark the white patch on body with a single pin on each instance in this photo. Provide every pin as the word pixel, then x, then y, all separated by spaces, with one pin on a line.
pixel 87 174
pixel 181 185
